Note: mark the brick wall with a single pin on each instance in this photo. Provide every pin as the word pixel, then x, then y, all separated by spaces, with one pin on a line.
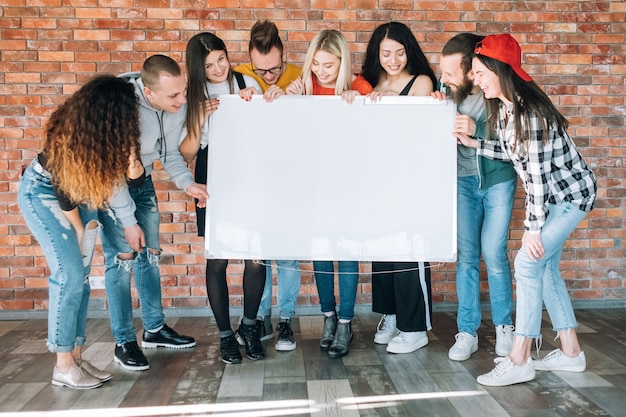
pixel 48 48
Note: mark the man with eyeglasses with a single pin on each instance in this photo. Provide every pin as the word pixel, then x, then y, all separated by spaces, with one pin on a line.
pixel 273 74
pixel 267 64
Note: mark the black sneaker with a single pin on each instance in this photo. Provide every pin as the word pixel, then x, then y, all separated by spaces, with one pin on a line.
pixel 285 341
pixel 229 350
pixel 130 357
pixel 248 336
pixel 166 337
pixel 265 328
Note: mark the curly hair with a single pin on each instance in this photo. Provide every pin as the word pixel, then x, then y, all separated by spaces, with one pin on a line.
pixel 89 140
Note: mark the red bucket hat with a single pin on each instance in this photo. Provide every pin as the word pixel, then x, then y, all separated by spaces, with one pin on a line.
pixel 503 48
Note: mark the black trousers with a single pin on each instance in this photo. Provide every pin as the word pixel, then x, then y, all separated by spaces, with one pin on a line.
pixel 403 289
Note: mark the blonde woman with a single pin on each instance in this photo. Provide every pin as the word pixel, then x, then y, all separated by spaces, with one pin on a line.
pixel 327 71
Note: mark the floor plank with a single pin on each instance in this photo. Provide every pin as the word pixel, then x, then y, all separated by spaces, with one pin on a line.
pixel 367 382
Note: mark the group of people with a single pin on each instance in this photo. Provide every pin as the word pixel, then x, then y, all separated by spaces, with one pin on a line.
pixel 93 176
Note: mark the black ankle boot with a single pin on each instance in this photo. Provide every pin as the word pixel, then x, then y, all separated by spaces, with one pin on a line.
pixel 343 337
pixel 249 334
pixel 328 335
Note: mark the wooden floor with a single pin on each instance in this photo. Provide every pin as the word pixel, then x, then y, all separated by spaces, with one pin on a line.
pixel 304 382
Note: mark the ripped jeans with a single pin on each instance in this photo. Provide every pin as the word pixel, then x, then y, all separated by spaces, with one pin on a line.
pixel 68 284
pixel 145 266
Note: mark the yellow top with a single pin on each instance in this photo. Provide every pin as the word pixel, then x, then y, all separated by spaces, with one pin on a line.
pixel 291 73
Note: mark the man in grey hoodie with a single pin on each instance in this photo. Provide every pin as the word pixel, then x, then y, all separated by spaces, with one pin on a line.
pixel 130 227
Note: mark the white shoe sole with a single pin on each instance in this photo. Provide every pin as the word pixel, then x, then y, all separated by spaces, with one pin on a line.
pixel 285 347
pixel 131 368
pixel 153 345
pixel 407 348
pixel 384 340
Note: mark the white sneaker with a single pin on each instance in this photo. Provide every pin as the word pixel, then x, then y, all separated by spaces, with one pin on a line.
pixel 504 340
pixel 507 373
pixel 386 329
pixel 465 345
pixel 557 361
pixel 407 342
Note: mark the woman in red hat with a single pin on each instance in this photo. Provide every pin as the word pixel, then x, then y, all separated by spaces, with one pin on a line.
pixel 560 191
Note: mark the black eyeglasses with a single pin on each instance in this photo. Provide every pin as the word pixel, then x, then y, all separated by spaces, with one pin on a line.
pixel 274 71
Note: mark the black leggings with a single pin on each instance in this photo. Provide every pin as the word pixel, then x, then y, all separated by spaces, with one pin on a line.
pixel 217 290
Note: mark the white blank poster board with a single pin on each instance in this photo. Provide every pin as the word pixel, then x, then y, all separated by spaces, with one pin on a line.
pixel 315 178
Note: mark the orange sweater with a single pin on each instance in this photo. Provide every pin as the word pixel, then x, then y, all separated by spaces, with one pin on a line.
pixel 359 84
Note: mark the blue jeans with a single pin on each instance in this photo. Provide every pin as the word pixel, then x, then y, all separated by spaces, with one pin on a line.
pixel 348 282
pixel 483 218
pixel 144 264
pixel 541 281
pixel 288 289
pixel 68 284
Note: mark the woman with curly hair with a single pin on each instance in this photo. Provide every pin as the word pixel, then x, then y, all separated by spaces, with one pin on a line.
pixel 91 142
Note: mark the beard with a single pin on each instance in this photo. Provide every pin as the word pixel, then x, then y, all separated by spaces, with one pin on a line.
pixel 462 91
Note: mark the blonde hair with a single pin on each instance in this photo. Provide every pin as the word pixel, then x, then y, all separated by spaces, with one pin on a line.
pixel 333 42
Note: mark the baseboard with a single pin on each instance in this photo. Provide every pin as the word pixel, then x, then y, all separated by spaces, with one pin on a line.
pixel 313 310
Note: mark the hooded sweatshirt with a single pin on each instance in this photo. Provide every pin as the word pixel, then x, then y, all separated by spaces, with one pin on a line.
pixel 155 125
pixel 491 172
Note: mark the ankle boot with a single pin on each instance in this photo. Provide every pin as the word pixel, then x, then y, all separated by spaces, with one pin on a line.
pixel 343 337
pixel 328 335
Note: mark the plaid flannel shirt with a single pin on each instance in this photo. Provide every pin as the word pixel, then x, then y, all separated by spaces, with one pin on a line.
pixel 551 173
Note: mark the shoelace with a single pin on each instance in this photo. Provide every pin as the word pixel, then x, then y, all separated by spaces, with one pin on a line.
pixel 284 331
pixel 504 329
pixel 464 337
pixel 555 354
pixel 384 324
pixel 502 366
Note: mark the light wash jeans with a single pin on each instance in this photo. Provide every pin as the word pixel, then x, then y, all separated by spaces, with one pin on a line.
pixel 541 281
pixel 288 273
pixel 348 282
pixel 483 218
pixel 145 266
pixel 68 284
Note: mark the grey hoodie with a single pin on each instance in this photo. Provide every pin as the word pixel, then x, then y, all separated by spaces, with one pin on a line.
pixel 154 124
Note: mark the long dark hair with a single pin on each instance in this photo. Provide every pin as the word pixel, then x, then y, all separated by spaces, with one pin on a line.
pixel 417 64
pixel 527 98
pixel 198 47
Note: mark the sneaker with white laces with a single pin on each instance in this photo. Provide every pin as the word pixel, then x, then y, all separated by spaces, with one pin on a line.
pixel 557 361
pixel 465 345
pixel 386 329
pixel 504 340
pixel 507 373
pixel 407 342
pixel 285 341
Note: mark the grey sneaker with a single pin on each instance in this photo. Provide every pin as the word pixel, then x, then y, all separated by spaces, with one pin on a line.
pixel 557 361
pixel 285 340
pixel 264 327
